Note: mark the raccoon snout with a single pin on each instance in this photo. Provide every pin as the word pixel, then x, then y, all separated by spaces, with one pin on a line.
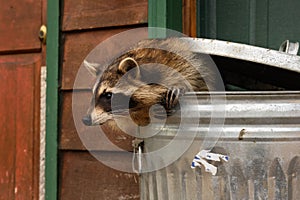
pixel 87 120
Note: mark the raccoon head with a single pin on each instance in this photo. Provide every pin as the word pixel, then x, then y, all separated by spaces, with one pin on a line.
pixel 114 93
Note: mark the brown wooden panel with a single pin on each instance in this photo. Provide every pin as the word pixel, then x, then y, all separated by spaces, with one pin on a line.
pixel 76 47
pixel 189 18
pixel 7 135
pixel 93 138
pixel 69 138
pixel 19 25
pixel 89 14
pixel 84 177
pixel 18 111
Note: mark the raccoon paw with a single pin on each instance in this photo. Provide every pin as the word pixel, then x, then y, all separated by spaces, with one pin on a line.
pixel 169 103
pixel 172 98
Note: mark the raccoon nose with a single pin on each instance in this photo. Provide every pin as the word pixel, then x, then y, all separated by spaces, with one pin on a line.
pixel 87 120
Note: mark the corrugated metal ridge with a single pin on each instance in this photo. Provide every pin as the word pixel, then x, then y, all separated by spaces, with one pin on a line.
pixel 260 115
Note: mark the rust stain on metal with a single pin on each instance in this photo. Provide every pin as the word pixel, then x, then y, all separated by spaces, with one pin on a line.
pixel 242 133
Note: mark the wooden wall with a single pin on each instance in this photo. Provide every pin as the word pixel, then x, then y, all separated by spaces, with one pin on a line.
pixel 84 25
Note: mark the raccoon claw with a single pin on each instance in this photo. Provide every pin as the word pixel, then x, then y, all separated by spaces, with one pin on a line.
pixel 169 103
pixel 172 97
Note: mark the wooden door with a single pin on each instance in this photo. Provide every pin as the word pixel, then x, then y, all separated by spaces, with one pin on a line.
pixel 20 60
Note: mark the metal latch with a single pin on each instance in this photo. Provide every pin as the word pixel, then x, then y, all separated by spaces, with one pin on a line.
pixel 289 47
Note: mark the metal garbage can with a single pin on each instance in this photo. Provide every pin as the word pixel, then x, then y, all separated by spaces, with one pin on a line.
pixel 260 134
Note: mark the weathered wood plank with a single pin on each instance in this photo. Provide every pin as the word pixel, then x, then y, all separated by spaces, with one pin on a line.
pixel 25 132
pixel 81 137
pixel 76 47
pixel 84 177
pixel 20 22
pixel 78 15
pixel 7 136
pixel 18 156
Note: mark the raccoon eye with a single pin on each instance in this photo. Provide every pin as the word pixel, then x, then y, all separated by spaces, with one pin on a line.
pixel 107 95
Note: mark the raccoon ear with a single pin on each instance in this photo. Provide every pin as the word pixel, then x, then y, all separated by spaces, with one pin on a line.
pixel 91 67
pixel 128 64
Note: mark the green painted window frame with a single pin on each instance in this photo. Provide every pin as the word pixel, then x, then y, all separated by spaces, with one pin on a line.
pixel 164 14
pixel 52 63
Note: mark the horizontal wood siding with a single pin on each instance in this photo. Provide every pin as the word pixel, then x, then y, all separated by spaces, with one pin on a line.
pixel 76 47
pixel 85 24
pixel 91 14
pixel 84 177
pixel 69 137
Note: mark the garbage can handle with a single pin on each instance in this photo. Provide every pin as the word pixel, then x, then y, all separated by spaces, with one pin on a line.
pixel 289 47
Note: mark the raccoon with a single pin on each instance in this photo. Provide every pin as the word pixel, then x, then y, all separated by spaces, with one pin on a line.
pixel 154 72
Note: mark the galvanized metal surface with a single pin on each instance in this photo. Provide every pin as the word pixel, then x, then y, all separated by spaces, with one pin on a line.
pixel 246 52
pixel 261 135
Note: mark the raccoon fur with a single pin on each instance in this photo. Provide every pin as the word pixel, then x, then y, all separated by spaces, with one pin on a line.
pixel 171 70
